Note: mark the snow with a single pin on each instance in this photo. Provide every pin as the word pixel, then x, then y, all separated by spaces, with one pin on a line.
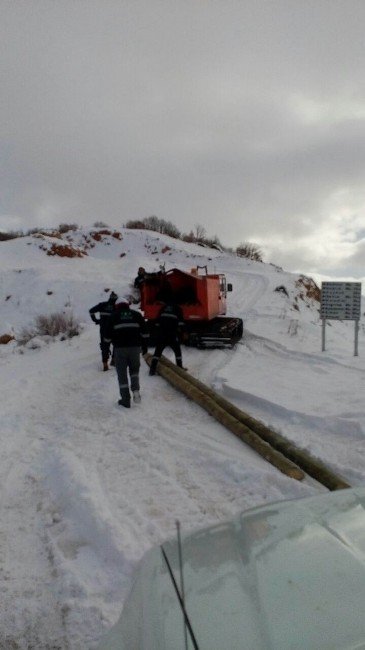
pixel 87 487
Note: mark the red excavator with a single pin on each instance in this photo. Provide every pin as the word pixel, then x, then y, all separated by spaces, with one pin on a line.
pixel 202 298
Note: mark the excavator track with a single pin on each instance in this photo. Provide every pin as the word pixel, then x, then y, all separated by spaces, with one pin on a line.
pixel 221 332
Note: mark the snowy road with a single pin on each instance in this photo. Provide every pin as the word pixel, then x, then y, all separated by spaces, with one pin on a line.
pixel 88 487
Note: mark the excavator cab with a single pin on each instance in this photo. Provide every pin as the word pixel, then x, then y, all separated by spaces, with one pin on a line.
pixel 202 298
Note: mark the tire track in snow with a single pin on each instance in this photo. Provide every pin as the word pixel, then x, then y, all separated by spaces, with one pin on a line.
pixel 297 398
pixel 108 478
pixel 31 615
pixel 38 619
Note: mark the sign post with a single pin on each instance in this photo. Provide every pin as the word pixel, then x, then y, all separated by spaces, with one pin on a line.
pixel 323 334
pixel 341 301
pixel 356 346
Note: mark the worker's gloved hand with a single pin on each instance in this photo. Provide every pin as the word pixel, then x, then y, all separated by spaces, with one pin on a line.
pixel 97 321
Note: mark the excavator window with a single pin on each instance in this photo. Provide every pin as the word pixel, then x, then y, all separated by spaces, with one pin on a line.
pixel 223 285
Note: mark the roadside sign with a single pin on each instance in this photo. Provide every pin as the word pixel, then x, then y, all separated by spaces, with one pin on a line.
pixel 341 301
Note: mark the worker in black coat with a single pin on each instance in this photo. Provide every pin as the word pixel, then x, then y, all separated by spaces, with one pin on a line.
pixel 140 278
pixel 128 332
pixel 169 325
pixel 105 310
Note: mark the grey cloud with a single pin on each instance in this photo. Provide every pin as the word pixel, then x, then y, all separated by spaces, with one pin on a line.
pixel 191 111
pixel 355 262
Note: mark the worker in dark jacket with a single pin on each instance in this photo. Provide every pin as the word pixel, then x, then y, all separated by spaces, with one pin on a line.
pixel 128 333
pixel 140 278
pixel 169 325
pixel 105 310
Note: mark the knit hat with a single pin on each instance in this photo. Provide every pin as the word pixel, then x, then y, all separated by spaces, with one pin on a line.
pixel 113 296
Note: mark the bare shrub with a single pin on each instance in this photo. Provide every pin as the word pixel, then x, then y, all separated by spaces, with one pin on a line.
pixel 168 228
pixel 200 233
pixel 188 237
pixel 251 251
pixel 213 242
pixel 25 335
pixel 32 231
pixel 136 224
pixel 13 234
pixel 66 227
pixel 153 223
pixel 156 224
pixel 200 237
pixel 58 323
pixel 197 236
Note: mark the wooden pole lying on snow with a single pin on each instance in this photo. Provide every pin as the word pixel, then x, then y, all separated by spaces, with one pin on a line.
pixel 182 381
pixel 300 459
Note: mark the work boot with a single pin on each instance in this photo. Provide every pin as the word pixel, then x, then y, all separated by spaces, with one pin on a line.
pixel 137 396
pixel 122 402
pixel 105 365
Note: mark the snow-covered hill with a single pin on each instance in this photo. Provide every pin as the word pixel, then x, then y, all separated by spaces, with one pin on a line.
pixel 42 273
pixel 87 488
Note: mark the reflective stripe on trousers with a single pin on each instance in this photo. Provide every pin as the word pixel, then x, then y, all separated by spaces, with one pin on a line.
pixel 127 363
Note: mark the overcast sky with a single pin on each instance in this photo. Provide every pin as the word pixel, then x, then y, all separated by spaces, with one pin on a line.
pixel 246 116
